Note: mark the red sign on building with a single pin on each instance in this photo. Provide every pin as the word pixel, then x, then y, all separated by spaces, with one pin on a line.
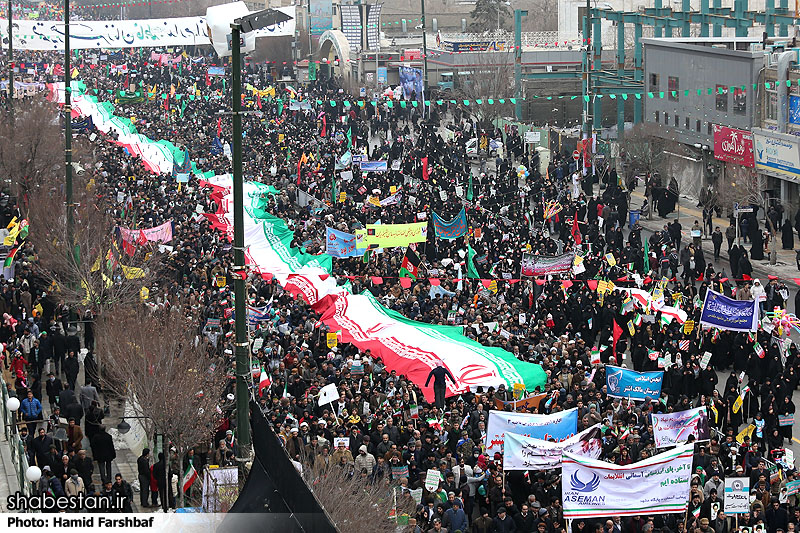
pixel 733 146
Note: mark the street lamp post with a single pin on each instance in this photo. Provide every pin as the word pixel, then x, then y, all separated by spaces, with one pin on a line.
pixel 240 305
pixel 68 134
pixel 10 59
pixel 246 24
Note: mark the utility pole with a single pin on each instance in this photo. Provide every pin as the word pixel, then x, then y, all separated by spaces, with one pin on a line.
pixel 10 59
pixel 587 86
pixel 68 135
pixel 308 26
pixel 424 56
pixel 518 14
pixel 241 344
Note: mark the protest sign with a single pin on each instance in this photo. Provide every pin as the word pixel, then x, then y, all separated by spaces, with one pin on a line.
pixel 625 383
pixel 737 495
pixel 722 312
pixel 660 484
pixel 559 426
pixel 526 453
pixel 675 428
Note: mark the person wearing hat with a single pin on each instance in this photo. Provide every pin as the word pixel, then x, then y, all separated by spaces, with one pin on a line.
pixel 503 523
pixel 49 483
pixel 294 446
pixel 455 519
pixel 342 454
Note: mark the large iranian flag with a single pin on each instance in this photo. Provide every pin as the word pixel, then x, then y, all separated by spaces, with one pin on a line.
pixel 409 347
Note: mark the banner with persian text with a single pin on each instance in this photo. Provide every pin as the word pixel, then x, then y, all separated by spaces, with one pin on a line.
pixel 105 34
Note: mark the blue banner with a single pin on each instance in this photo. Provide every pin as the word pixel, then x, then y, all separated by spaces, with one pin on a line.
pixel 452 229
pixel 624 383
pixel 437 290
pixel 340 244
pixel 721 312
pixel 374 166
pixel 344 161
pixel 559 426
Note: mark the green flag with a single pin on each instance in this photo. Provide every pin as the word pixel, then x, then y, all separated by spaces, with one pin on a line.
pixel 280 106
pixel 472 272
pixel 350 137
pixel 646 257
pixel 469 189
pixel 333 188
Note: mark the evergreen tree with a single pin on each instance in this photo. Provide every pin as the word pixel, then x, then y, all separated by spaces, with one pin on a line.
pixel 484 16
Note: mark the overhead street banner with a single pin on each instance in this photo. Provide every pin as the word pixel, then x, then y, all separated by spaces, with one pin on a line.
pixel 105 34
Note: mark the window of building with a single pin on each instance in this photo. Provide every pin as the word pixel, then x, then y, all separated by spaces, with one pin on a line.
pixel 677 120
pixel 666 118
pixel 674 87
pixel 654 82
pixel 709 128
pixel 686 124
pixel 772 105
pixel 697 127
pixel 721 93
pixel 658 116
pixel 740 101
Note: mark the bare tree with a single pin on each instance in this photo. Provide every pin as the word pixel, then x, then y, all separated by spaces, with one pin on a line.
pixel 95 269
pixel 491 78
pixel 356 504
pixel 745 186
pixel 30 148
pixel 159 363
pixel 644 154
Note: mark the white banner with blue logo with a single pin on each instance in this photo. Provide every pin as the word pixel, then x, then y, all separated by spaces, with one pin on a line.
pixel 558 426
pixel 722 312
pixel 624 383
pixel 658 485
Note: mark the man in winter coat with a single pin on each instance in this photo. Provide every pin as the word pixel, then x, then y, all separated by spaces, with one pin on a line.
pixel 364 460
pixel 103 452
pixel 455 519
pixel 54 388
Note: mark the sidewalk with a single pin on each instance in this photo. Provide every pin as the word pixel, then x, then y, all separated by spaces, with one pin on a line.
pixel 785 268
pixel 125 462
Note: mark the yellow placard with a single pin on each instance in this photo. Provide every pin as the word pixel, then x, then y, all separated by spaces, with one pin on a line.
pixel 144 293
pixel 221 281
pixel 688 326
pixel 281 137
pixel 393 189
pixel 342 197
pixel 610 259
pixel 333 340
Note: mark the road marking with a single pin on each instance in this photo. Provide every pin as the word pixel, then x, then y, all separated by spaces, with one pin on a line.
pixel 796 440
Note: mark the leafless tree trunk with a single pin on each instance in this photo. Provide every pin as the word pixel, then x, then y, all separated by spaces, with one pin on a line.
pixel 161 364
pixel 644 154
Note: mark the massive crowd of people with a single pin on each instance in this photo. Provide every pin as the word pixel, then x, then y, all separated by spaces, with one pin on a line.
pixel 552 322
